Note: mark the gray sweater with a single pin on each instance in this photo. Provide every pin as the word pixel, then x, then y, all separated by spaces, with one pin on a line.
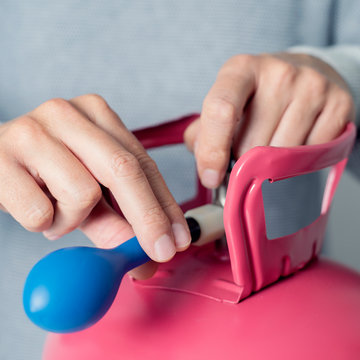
pixel 152 61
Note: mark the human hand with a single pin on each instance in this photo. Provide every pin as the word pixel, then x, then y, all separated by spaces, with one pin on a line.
pixel 282 99
pixel 52 161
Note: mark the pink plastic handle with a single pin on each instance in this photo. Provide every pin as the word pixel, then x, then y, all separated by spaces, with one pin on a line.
pixel 170 133
pixel 167 133
pixel 257 261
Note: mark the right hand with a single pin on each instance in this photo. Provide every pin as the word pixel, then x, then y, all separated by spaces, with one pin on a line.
pixel 52 161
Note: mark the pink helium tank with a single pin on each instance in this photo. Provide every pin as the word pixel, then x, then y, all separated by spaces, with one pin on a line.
pixel 205 304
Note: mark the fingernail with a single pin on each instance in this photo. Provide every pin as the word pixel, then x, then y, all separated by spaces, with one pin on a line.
pixel 164 248
pixel 182 237
pixel 210 178
pixel 50 236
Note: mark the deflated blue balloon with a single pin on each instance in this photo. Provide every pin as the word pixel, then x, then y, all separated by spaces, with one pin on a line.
pixel 71 289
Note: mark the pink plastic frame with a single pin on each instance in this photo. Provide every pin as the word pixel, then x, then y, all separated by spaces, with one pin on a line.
pixel 257 261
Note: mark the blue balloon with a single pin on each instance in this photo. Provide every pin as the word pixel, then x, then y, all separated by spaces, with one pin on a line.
pixel 71 289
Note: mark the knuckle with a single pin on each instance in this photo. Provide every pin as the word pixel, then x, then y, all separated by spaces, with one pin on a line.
pixel 134 146
pixel 149 166
pixel 221 111
pixel 54 106
pixel 88 196
pixel 124 164
pixel 283 72
pixel 27 130
pixel 241 60
pixel 155 216
pixel 345 102
pixel 317 84
pixel 171 207
pixel 343 111
pixel 36 218
pixel 96 101
pixel 343 108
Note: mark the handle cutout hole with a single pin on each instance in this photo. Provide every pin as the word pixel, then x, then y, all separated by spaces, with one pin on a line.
pixel 293 203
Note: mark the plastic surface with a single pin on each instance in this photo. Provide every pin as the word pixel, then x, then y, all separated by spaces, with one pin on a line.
pixel 256 261
pixel 72 288
pixel 312 315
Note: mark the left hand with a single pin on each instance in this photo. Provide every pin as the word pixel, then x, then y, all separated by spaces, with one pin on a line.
pixel 281 99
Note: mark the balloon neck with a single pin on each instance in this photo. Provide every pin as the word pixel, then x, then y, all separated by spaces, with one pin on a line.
pixel 133 253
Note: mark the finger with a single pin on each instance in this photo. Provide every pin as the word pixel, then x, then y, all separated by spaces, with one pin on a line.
pixel 267 107
pixel 118 170
pixel 310 93
pixel 75 190
pixel 100 113
pixel 23 198
pixel 222 109
pixel 145 271
pixel 191 135
pixel 107 229
pixel 337 112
